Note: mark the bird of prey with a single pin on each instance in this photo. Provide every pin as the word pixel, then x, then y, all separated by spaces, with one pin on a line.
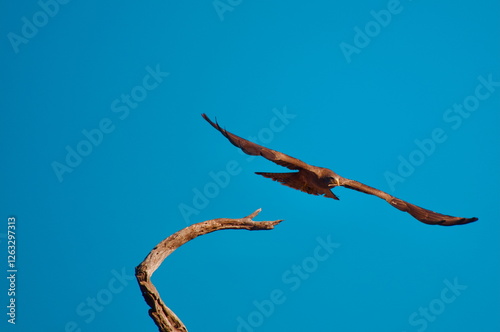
pixel 319 181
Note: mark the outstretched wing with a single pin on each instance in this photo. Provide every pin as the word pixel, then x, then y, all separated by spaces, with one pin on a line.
pixel 421 214
pixel 258 150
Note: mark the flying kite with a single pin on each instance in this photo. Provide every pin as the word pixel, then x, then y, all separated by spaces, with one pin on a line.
pixel 319 181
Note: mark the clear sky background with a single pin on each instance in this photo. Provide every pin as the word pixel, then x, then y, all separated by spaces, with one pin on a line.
pixel 104 154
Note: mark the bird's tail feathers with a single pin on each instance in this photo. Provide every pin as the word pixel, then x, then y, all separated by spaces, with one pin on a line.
pixel 280 177
pixel 294 180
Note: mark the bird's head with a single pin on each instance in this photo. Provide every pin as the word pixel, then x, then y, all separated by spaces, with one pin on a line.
pixel 330 178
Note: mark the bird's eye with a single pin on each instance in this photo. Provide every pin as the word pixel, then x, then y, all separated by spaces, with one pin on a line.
pixel 328 179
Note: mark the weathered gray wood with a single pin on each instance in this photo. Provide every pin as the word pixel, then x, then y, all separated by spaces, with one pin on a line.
pixel 164 318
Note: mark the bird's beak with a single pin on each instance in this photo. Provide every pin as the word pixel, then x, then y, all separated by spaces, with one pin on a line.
pixel 335 182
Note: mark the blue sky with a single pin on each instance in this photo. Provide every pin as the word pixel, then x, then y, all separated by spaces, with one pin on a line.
pixel 105 154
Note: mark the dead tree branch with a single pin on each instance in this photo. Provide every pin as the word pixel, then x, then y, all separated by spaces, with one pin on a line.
pixel 164 318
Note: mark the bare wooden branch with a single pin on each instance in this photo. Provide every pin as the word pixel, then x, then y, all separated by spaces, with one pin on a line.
pixel 164 318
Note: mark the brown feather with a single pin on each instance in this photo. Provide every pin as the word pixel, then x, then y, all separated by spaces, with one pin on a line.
pixel 421 214
pixel 258 150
